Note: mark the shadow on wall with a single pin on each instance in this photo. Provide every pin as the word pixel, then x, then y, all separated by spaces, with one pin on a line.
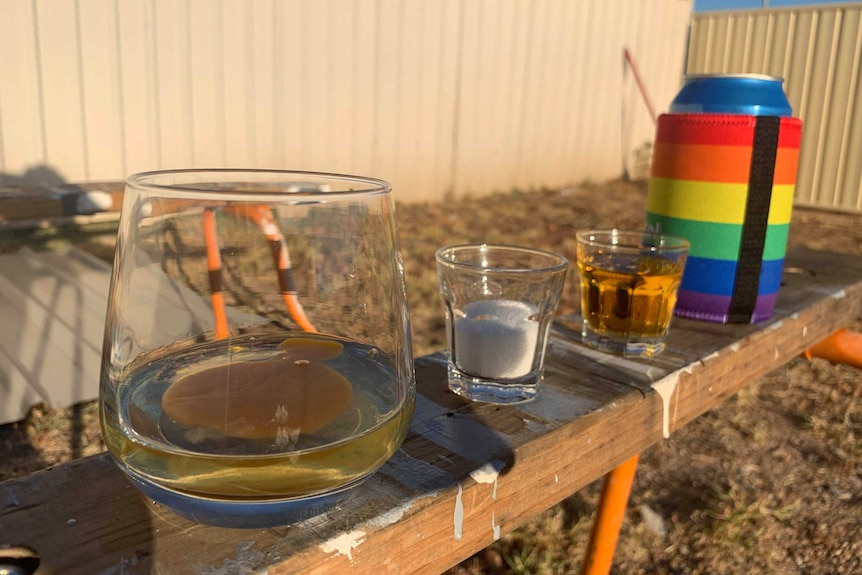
pixel 40 175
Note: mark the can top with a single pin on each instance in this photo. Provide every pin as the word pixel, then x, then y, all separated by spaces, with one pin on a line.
pixel 751 94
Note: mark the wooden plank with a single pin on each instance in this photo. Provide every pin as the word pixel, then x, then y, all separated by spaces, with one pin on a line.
pixel 28 207
pixel 20 204
pixel 466 474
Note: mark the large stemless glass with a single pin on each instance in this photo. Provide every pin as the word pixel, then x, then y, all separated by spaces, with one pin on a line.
pixel 257 360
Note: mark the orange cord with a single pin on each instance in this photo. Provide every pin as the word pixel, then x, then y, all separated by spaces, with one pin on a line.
pixel 214 267
pixel 609 518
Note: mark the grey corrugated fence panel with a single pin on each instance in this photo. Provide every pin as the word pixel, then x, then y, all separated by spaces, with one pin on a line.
pixel 438 96
pixel 818 51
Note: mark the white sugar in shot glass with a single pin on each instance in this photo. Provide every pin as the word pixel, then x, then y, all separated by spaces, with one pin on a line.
pixel 499 303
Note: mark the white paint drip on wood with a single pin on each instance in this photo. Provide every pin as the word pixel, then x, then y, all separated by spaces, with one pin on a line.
pixel 665 388
pixel 495 527
pixel 458 516
pixel 344 544
pixel 776 325
pixel 533 426
pixel 840 294
pixel 488 473
pixel 734 346
pixel 396 513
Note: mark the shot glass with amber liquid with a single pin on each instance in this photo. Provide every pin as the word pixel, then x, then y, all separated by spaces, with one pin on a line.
pixel 629 282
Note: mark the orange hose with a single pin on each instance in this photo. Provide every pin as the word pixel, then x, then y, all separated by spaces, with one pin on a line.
pixel 843 346
pixel 214 267
pixel 631 62
pixel 609 518
pixel 262 216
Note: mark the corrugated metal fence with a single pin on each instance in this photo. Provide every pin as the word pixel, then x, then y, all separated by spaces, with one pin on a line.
pixel 438 96
pixel 818 51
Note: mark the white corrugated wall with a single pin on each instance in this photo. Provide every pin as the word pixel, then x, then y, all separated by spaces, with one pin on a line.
pixel 818 51
pixel 438 96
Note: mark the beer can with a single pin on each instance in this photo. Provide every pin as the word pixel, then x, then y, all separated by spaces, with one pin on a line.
pixel 723 176
pixel 749 94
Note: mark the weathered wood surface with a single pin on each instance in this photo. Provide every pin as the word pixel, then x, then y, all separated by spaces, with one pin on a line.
pixel 23 205
pixel 466 474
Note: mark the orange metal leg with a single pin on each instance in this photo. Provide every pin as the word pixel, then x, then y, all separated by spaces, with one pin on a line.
pixel 262 216
pixel 214 266
pixel 609 518
pixel 843 346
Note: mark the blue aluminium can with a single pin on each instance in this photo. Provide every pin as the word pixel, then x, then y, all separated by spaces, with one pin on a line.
pixel 723 177
pixel 750 94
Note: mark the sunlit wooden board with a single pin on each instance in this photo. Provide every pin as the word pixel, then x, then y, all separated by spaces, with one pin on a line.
pixel 466 474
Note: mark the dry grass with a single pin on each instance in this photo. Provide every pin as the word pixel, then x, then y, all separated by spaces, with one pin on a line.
pixel 770 482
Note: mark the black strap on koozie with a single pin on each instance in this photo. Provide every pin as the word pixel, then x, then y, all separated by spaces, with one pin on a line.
pixel 754 225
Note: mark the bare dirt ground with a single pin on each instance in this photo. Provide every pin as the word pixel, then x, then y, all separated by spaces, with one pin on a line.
pixel 770 482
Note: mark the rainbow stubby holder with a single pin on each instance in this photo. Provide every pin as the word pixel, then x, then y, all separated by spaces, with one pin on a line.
pixel 723 177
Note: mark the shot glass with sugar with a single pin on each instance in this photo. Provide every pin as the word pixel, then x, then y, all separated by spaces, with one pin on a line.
pixel 499 303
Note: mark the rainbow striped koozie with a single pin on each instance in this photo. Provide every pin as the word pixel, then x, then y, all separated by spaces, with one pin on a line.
pixel 725 182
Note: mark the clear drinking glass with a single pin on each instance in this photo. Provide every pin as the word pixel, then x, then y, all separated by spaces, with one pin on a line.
pixel 257 359
pixel 629 283
pixel 499 302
